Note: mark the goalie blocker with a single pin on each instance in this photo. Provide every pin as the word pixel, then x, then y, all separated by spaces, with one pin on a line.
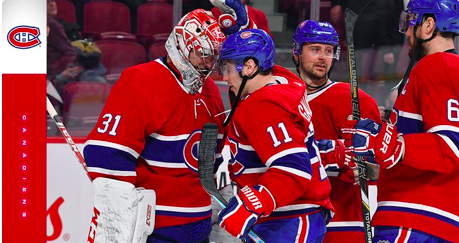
pixel 122 213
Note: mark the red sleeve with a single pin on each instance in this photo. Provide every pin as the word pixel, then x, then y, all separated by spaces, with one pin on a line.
pixel 437 94
pixel 119 136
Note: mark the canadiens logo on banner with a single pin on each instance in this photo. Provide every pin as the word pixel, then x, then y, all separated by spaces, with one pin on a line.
pixel 191 149
pixel 24 37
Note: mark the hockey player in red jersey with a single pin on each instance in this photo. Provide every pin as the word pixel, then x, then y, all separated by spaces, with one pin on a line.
pixel 315 49
pixel 418 149
pixel 147 137
pixel 284 189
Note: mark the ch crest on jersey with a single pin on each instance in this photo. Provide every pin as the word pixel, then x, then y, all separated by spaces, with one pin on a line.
pixel 191 150
pixel 24 37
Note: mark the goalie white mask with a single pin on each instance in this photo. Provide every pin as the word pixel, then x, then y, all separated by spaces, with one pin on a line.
pixel 193 48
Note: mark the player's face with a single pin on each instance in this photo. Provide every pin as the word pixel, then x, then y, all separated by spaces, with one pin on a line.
pixel 316 60
pixel 201 62
pixel 231 76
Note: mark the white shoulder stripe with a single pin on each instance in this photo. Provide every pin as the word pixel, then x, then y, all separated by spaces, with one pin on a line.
pixel 284 153
pixel 444 128
pixel 420 207
pixel 294 171
pixel 166 164
pixel 410 115
pixel 296 207
pixel 255 170
pixel 345 224
pixel 183 209
pixel 111 172
pixel 112 145
pixel 451 144
pixel 246 147
pixel 169 138
pixel 176 137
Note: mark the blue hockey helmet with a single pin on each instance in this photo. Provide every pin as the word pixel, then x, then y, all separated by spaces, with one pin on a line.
pixel 446 14
pixel 253 43
pixel 310 31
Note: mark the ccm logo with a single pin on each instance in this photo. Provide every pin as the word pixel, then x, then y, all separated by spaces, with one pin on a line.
pixel 386 138
pixel 24 37
pixel 93 226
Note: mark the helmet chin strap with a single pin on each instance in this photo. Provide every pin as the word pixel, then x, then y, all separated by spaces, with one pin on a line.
pixel 235 100
pixel 417 52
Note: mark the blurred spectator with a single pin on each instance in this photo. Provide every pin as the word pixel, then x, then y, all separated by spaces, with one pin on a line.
pixel 190 5
pixel 60 52
pixel 72 30
pixel 258 17
pixel 376 38
pixel 291 9
pixel 79 9
pixel 87 66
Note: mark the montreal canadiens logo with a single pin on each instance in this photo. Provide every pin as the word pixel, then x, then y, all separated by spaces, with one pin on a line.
pixel 191 150
pixel 246 34
pixel 24 37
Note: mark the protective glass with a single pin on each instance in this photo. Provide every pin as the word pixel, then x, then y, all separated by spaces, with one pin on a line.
pixel 227 68
pixel 205 60
pixel 407 19
pixel 319 51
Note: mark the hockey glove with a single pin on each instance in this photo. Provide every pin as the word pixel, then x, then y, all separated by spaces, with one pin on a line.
pixel 243 210
pixel 234 16
pixel 373 140
pixel 333 153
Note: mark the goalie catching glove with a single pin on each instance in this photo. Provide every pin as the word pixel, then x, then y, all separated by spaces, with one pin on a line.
pixel 243 210
pixel 234 16
pixel 373 140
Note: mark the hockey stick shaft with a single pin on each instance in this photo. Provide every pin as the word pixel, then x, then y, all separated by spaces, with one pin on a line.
pixel 206 156
pixel 350 18
pixel 52 112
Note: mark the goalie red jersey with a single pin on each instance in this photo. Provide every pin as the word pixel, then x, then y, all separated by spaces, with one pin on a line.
pixel 278 151
pixel 420 192
pixel 148 134
pixel 331 106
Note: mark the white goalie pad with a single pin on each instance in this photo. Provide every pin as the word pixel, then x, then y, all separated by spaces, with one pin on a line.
pixel 121 212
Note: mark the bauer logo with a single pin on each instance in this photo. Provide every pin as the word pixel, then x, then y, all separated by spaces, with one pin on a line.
pixel 24 37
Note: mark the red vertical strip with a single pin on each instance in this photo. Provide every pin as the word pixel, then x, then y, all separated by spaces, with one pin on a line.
pixel 24 158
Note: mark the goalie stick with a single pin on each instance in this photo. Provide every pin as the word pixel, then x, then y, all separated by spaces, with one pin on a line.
pixel 52 112
pixel 206 154
pixel 350 17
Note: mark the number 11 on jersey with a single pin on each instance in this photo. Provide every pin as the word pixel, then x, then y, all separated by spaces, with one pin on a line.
pixel 276 141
